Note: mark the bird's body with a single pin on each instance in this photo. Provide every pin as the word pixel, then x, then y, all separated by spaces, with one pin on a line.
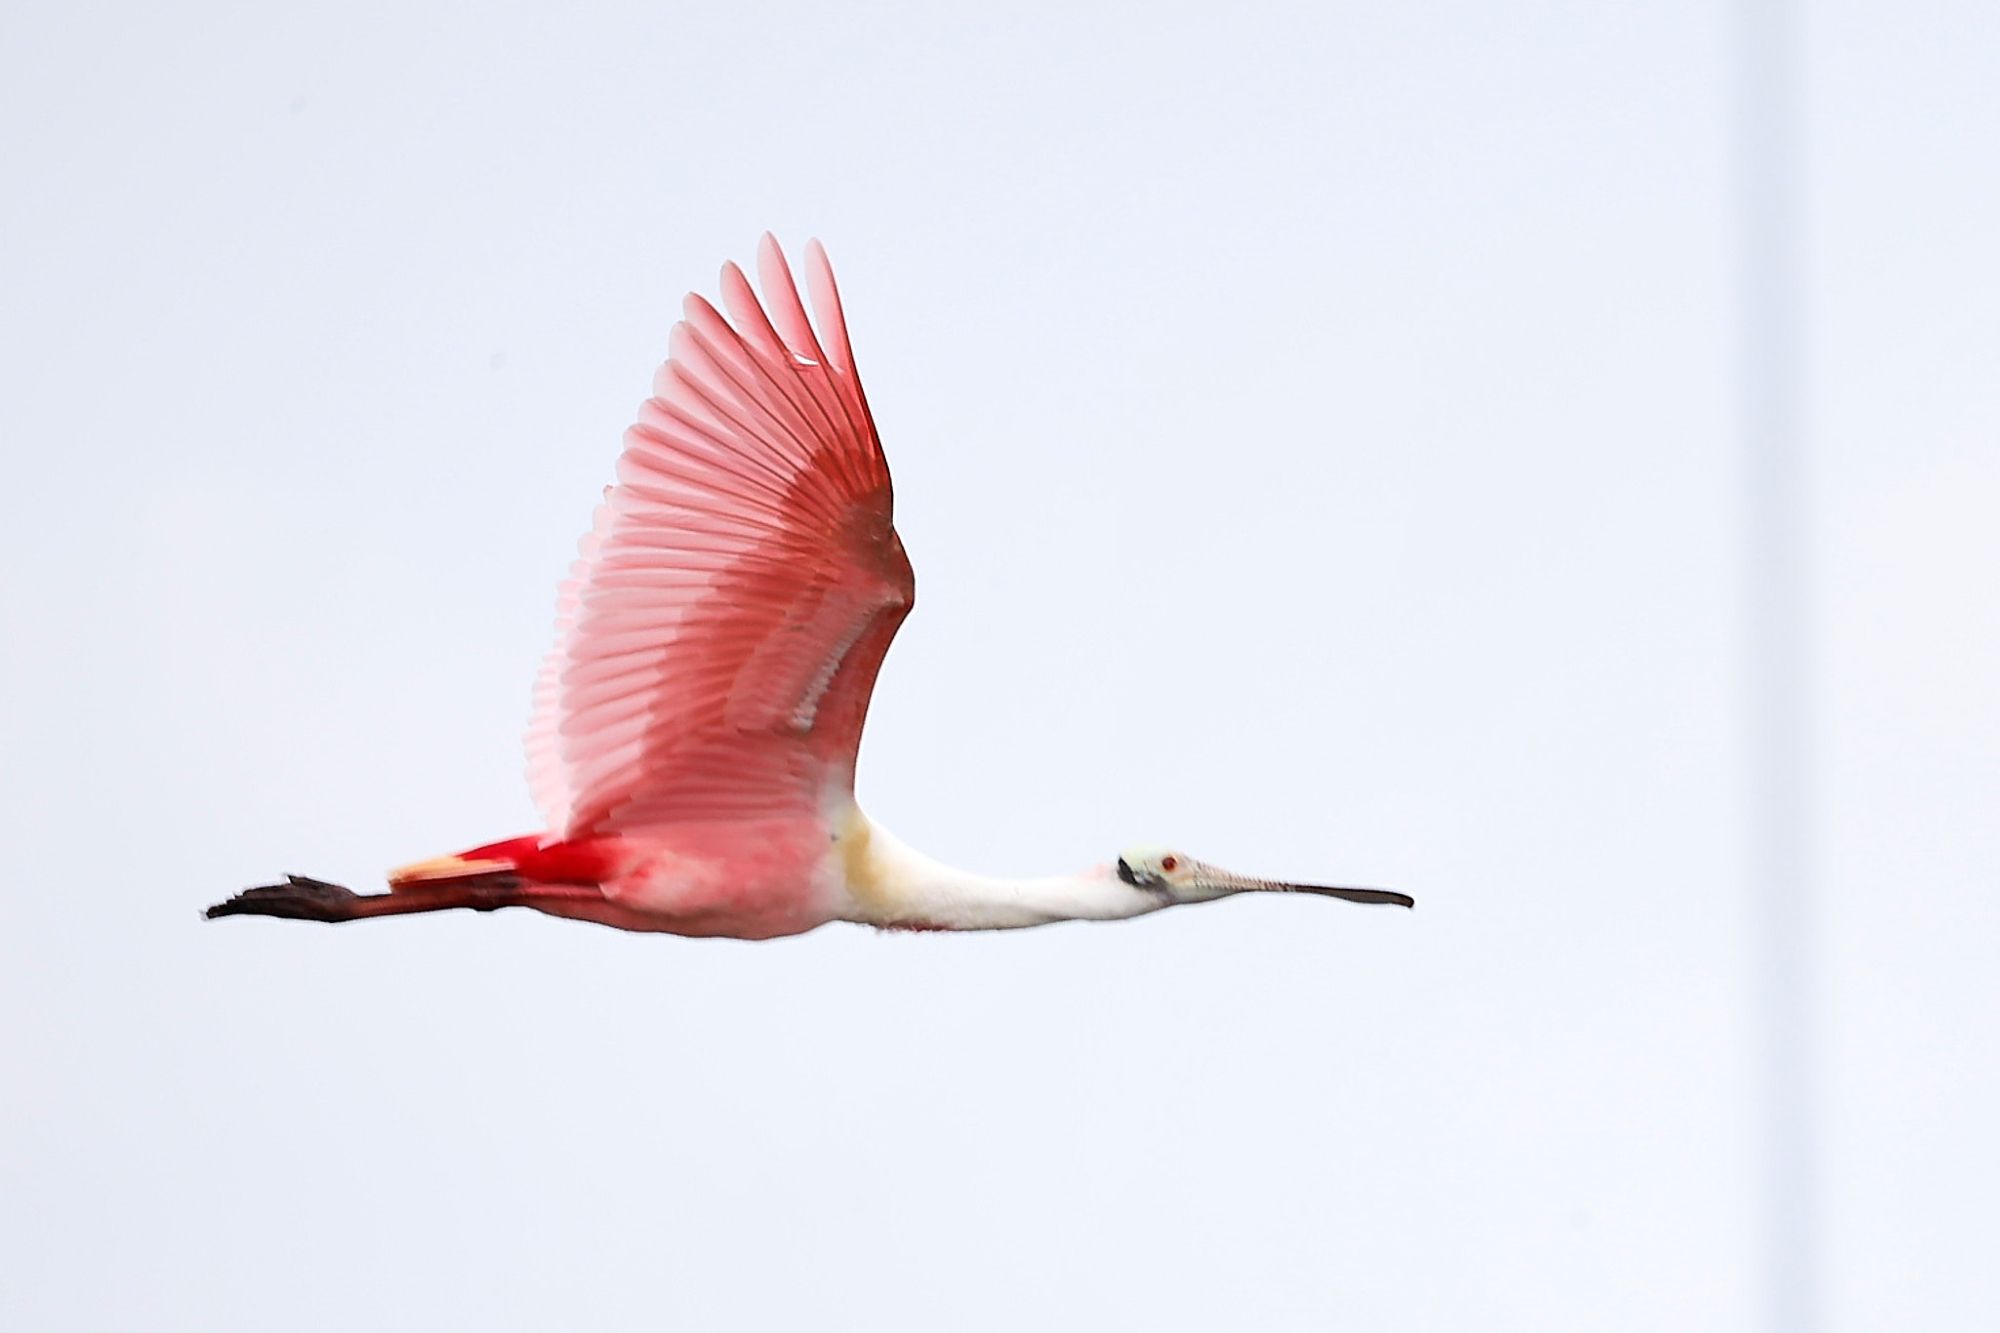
pixel 762 879
pixel 694 734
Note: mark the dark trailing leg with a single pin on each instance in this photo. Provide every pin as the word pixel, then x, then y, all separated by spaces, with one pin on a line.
pixel 300 898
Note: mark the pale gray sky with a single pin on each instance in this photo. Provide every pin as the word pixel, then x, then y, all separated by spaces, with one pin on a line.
pixel 1313 431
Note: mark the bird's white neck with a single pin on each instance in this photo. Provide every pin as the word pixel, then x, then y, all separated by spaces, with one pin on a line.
pixel 889 884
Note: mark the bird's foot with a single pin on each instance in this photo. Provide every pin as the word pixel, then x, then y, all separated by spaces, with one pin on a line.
pixel 299 898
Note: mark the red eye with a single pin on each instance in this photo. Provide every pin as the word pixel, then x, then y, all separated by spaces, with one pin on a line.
pixel 1168 863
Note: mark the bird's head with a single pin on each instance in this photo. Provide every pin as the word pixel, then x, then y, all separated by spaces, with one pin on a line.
pixel 1179 878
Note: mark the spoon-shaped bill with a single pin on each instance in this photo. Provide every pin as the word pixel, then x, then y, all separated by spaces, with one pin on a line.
pixel 1233 883
pixel 1351 895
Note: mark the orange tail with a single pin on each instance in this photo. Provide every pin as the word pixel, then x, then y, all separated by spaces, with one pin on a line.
pixel 496 858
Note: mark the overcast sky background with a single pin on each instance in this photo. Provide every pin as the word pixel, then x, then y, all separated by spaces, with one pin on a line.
pixel 1314 431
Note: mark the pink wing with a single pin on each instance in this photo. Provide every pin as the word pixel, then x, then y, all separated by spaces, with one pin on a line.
pixel 719 635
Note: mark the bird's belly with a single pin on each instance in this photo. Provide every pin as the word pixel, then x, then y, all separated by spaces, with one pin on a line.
pixel 747 880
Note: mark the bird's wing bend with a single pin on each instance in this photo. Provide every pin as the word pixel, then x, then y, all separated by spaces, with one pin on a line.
pixel 719 635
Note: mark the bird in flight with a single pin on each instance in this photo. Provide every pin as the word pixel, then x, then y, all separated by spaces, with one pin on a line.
pixel 694 731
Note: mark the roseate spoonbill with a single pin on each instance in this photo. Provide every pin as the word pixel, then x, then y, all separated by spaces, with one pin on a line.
pixel 694 731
